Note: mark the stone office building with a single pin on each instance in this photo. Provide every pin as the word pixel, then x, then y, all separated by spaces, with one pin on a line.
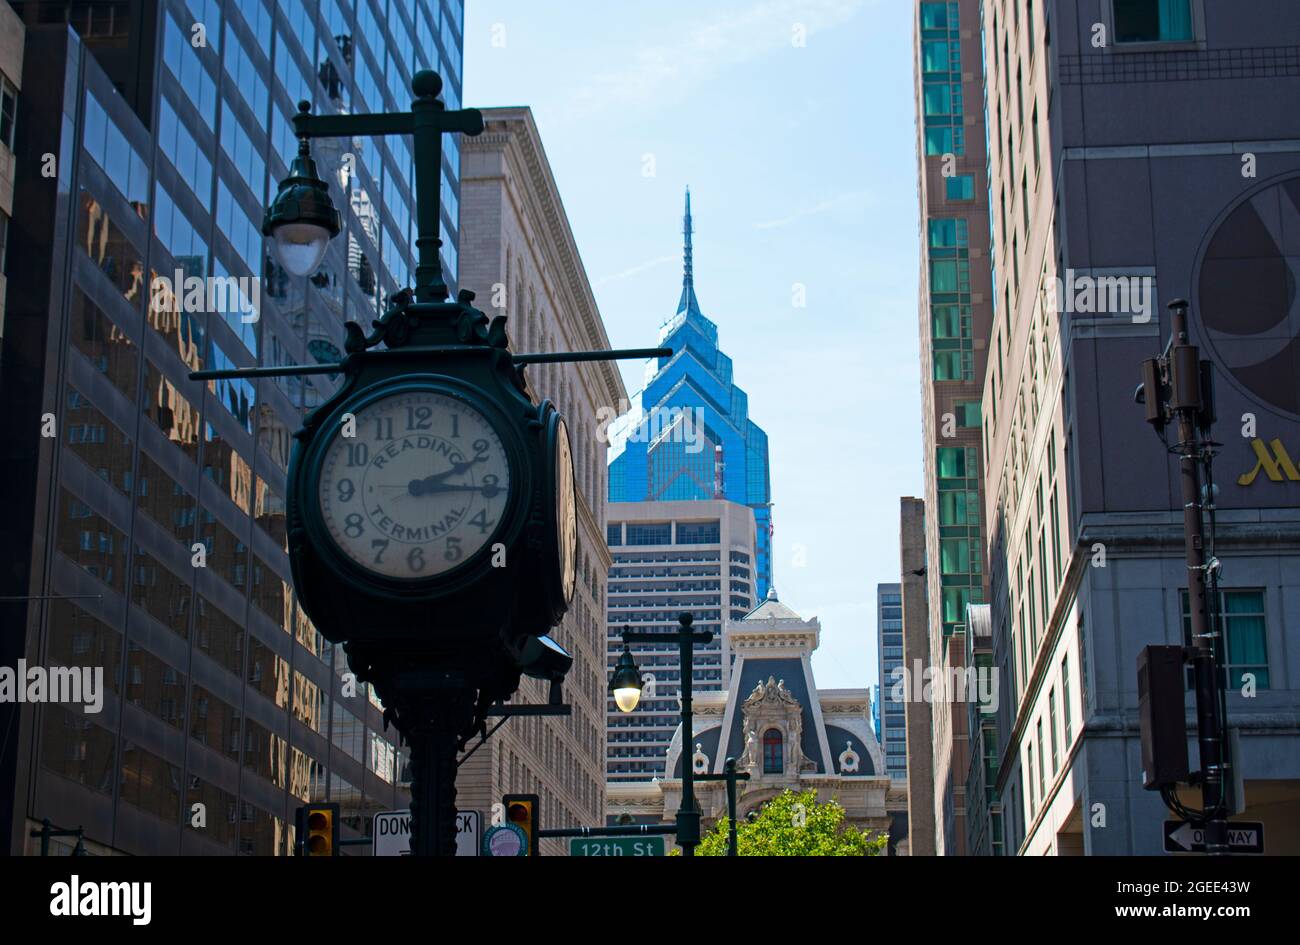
pixel 1150 144
pixel 517 249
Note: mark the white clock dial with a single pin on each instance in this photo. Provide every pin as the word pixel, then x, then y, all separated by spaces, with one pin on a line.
pixel 566 519
pixel 419 488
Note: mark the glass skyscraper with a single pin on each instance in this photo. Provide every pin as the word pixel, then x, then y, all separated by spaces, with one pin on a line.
pixel 688 435
pixel 147 535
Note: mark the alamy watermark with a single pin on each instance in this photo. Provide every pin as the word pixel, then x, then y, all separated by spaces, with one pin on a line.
pixel 932 684
pixel 82 685
pixel 1102 295
pixel 234 295
pixel 674 424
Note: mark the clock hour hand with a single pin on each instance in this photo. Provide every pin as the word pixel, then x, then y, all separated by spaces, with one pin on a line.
pixel 429 483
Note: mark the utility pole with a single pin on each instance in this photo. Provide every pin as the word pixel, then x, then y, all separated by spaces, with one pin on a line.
pixel 1178 387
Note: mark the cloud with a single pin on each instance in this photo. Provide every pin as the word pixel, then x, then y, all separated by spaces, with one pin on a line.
pixel 635 270
pixel 660 74
pixel 849 201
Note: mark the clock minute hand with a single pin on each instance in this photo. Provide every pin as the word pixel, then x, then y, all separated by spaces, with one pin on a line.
pixel 459 487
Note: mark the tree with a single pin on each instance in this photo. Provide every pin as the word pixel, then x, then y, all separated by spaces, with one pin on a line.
pixel 793 824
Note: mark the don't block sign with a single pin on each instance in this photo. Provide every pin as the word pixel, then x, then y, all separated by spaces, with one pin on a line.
pixel 392 832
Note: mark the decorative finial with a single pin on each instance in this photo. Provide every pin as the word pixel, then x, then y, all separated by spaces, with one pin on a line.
pixel 771 593
pixel 426 84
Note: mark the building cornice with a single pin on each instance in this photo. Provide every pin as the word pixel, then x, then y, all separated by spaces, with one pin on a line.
pixel 513 132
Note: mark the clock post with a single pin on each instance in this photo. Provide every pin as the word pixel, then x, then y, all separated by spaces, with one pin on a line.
pixel 430 499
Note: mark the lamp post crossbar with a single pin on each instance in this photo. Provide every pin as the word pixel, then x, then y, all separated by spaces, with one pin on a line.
pixel 623 830
pixel 549 357
pixel 426 122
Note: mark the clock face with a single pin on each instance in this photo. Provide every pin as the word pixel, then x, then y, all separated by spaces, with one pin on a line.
pixel 566 513
pixel 419 488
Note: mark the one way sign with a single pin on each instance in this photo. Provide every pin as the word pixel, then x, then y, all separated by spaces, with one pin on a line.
pixel 392 832
pixel 1243 837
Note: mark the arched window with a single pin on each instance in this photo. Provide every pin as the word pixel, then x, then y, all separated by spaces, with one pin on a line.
pixel 773 752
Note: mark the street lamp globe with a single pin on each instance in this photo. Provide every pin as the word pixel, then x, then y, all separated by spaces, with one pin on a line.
pixel 302 218
pixel 300 247
pixel 625 684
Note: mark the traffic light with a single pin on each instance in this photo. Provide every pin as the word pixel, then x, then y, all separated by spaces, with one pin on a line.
pixel 1161 721
pixel 318 830
pixel 521 811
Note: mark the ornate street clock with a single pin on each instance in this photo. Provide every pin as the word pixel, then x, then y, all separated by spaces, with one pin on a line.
pixel 432 515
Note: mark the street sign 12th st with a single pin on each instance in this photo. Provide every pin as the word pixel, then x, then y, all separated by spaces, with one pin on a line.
pixel 1243 837
pixel 616 846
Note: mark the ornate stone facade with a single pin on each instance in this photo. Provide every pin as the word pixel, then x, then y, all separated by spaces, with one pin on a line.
pixel 782 730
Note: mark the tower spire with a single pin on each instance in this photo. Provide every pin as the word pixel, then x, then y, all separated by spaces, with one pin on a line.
pixel 688 301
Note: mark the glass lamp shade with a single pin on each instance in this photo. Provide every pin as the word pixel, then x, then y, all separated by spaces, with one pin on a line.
pixel 627 699
pixel 300 246
pixel 625 685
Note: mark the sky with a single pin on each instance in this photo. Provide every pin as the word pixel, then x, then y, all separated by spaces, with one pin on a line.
pixel 792 123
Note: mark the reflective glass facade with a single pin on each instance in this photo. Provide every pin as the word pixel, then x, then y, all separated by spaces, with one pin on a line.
pixel 169 556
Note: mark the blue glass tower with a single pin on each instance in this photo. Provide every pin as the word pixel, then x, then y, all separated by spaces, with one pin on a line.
pixel 688 434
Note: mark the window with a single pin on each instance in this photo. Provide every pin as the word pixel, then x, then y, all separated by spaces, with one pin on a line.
pixel 1244 647
pixel 1051 708
pixel 185 155
pixel 968 413
pixel 106 143
pixel 1042 763
pixel 947 366
pixel 961 187
pixel 8 110
pixel 945 140
pixel 952 462
pixel 947 321
pixel 934 16
pixel 958 508
pixel 613 535
pixel 1032 781
pixel 698 533
pixel 1153 21
pixel 948 232
pixel 186 67
pixel 773 752
pixel 649 534
pixel 1065 701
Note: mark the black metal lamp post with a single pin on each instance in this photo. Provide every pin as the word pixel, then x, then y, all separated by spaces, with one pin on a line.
pixel 443 650
pixel 626 674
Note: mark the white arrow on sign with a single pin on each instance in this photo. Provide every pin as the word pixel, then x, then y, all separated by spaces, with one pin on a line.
pixel 1186 836
pixel 391 831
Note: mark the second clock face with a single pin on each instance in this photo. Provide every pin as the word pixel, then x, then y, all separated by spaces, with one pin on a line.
pixel 418 489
